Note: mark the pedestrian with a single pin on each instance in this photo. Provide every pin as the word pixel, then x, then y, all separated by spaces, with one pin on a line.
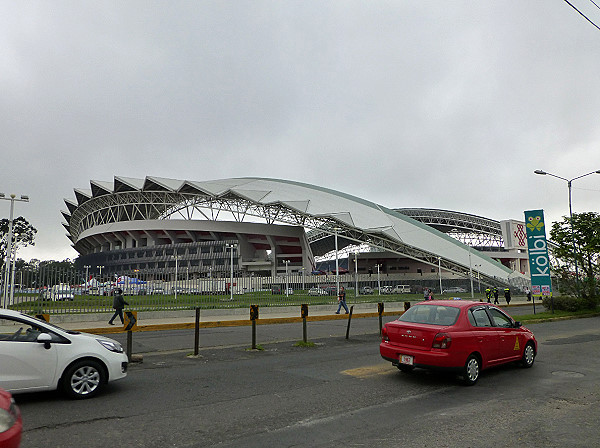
pixel 507 295
pixel 496 296
pixel 425 294
pixel 528 293
pixel 118 304
pixel 342 301
pixel 430 295
pixel 488 294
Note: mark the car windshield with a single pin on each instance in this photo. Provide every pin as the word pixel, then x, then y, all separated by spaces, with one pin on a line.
pixel 431 314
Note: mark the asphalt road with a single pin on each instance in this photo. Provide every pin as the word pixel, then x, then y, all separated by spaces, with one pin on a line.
pixel 337 394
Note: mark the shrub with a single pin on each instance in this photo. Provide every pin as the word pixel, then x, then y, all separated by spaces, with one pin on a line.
pixel 566 303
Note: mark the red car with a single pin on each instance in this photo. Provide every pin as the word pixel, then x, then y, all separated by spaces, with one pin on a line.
pixel 462 336
pixel 11 424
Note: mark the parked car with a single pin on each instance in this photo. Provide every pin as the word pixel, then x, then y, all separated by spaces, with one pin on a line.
pixel 36 356
pixel 454 290
pixel 461 336
pixel 157 291
pixel 11 424
pixel 366 290
pixel 401 289
pixel 317 292
pixel 385 290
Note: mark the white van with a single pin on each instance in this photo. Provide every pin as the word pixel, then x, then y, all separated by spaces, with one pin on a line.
pixel 401 289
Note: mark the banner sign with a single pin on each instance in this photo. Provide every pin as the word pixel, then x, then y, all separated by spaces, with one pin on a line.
pixel 537 247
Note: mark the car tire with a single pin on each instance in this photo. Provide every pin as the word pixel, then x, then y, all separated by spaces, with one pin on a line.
pixel 528 356
pixel 405 369
pixel 83 379
pixel 471 370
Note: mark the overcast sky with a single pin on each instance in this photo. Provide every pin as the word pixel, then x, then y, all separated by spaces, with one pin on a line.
pixel 441 104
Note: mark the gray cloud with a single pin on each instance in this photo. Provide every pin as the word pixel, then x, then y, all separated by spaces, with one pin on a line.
pixel 436 104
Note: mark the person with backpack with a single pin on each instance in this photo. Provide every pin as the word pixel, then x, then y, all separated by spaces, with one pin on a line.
pixel 118 305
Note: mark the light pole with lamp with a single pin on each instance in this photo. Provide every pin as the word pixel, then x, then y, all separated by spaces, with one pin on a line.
pixel 378 280
pixel 231 247
pixel 86 283
pixel 12 199
pixel 287 284
pixel 478 269
pixel 440 273
pixel 569 184
pixel 337 266
pixel 355 274
pixel 176 257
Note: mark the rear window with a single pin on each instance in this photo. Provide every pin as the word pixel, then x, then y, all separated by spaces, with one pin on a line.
pixel 431 314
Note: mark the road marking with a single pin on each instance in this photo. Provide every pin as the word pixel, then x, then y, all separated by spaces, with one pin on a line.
pixel 370 371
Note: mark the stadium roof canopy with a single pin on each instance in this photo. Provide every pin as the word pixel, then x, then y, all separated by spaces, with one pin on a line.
pixel 326 212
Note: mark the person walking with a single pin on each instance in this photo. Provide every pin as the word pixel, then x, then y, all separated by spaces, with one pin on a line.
pixel 425 294
pixel 507 295
pixel 488 294
pixel 118 304
pixel 342 301
pixel 496 296
pixel 528 293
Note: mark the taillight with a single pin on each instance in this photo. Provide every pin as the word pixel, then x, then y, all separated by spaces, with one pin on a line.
pixel 384 334
pixel 442 340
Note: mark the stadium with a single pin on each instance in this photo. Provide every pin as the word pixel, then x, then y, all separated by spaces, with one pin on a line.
pixel 259 227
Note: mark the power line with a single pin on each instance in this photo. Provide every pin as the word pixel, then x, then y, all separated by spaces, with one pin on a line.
pixel 582 14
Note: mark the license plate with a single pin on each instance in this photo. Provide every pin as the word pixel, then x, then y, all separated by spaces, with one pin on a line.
pixel 406 359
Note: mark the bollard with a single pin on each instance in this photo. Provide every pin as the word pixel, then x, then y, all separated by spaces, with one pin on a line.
pixel 253 317
pixel 349 320
pixel 129 344
pixel 380 312
pixel 304 314
pixel 197 333
pixel 406 306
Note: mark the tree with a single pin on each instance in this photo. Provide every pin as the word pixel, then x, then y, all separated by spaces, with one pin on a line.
pixel 23 235
pixel 583 233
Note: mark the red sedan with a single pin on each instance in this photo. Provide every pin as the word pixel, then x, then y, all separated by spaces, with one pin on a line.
pixel 11 424
pixel 462 336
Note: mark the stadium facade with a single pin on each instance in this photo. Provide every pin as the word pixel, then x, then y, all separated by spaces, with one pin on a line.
pixel 269 226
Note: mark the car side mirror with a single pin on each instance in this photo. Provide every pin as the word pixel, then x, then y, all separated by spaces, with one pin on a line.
pixel 44 338
pixel 517 324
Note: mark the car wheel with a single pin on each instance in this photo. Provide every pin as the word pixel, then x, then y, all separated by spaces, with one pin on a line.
pixel 528 356
pixel 83 379
pixel 471 370
pixel 405 369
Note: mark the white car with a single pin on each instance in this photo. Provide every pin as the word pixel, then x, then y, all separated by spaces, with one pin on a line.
pixel 317 292
pixel 37 356
pixel 454 289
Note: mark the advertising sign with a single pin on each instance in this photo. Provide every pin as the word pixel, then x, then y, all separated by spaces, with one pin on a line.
pixel 537 247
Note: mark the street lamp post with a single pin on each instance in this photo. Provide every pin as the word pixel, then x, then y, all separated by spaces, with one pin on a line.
pixel 440 273
pixel 471 273
pixel 355 274
pixel 231 247
pixel 569 184
pixel 478 269
pixel 287 284
pixel 337 266
pixel 12 199
pixel 87 278
pixel 176 257
pixel 378 280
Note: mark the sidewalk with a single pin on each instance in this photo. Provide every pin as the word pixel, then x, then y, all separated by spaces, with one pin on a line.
pixel 97 323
